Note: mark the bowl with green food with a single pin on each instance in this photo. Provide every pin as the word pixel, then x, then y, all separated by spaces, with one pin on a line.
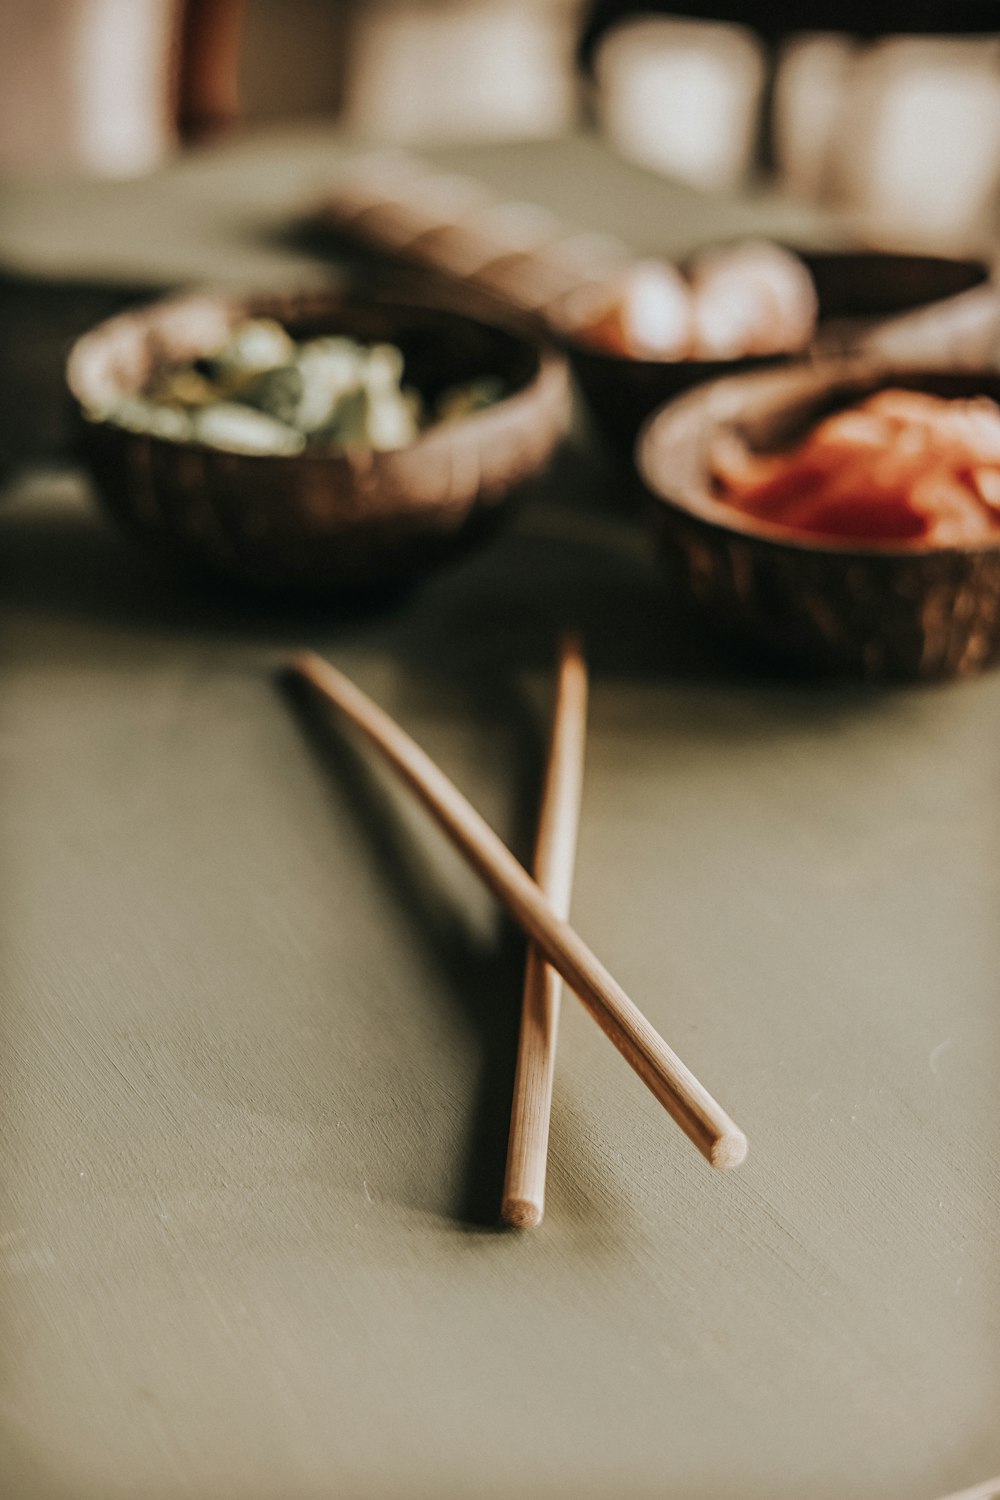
pixel 316 440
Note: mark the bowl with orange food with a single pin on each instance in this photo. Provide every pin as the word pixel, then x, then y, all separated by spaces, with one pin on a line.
pixel 647 334
pixel 843 514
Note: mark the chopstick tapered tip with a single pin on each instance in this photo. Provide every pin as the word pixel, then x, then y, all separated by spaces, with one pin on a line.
pixel 728 1150
pixel 521 1213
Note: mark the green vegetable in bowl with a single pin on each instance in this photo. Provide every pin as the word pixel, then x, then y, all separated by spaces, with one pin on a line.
pixel 465 400
pixel 262 392
pixel 240 429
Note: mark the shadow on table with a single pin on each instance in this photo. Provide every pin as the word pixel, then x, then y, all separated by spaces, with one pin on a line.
pixel 63 561
pixel 39 319
pixel 483 977
pixel 498 609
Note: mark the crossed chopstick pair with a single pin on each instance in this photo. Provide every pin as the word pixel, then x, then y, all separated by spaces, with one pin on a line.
pixel 540 906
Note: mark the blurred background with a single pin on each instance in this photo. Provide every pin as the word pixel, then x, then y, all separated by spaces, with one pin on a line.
pixel 888 111
pixel 146 144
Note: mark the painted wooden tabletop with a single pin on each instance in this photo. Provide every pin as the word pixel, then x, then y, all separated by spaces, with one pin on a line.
pixel 257 1037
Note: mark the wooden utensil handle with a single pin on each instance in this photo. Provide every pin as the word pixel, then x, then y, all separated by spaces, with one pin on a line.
pixel 701 1118
pixel 555 851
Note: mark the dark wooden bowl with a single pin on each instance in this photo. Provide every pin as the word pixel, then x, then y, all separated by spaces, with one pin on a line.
pixel 855 291
pixel 349 520
pixel 886 611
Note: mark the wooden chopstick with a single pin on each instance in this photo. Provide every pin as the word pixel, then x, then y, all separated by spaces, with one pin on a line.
pixel 555 849
pixel 702 1119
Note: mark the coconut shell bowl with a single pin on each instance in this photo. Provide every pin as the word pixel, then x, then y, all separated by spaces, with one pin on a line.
pixel 881 610
pixel 863 298
pixel 345 519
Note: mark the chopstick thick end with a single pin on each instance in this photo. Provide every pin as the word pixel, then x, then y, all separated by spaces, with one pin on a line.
pixel 521 1213
pixel 728 1150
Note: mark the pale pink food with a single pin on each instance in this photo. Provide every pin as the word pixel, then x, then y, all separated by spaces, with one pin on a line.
pixel 750 299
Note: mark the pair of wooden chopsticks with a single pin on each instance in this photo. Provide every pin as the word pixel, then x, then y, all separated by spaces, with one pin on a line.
pixel 538 907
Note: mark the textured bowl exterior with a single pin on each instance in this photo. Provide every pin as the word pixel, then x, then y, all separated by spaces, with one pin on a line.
pixel 879 613
pixel 922 295
pixel 349 520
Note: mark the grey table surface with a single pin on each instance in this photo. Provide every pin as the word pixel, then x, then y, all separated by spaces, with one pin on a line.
pixel 257 1023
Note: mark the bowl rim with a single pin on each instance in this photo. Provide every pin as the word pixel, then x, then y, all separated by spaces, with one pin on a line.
pixel 550 376
pixel 691 418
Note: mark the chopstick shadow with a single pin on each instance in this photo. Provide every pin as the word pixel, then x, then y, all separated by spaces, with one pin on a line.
pixel 483 977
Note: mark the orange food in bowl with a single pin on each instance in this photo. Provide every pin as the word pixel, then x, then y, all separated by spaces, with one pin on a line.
pixel 902 467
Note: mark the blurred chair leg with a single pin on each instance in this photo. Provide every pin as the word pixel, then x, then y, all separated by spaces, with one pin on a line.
pixel 208 58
